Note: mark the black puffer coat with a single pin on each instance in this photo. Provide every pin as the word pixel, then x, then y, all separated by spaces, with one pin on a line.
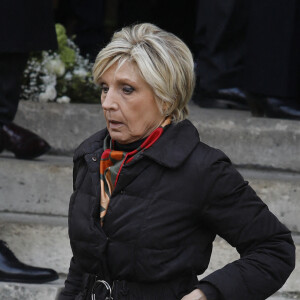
pixel 164 214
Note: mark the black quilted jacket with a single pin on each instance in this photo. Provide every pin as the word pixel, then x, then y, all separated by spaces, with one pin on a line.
pixel 164 214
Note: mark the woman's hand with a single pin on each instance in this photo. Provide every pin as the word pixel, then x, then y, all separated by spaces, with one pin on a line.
pixel 195 295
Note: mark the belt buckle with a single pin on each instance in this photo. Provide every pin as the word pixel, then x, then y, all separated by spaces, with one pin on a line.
pixel 106 284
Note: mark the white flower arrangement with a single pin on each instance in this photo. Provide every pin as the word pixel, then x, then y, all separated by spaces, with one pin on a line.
pixel 60 76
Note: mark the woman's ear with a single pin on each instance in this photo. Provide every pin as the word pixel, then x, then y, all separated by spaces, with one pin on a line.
pixel 165 107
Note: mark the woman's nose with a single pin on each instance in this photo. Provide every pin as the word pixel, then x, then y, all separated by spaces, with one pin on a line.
pixel 109 100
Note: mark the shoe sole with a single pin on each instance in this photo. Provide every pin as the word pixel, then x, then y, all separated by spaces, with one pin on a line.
pixel 29 281
pixel 44 151
pixel 221 103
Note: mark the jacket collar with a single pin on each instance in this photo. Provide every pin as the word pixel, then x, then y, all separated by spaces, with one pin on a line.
pixel 91 145
pixel 175 145
pixel 170 150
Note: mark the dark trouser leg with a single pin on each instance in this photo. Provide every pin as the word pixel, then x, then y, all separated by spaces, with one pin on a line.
pixel 11 69
pixel 89 25
pixel 273 47
pixel 220 35
pixel 23 143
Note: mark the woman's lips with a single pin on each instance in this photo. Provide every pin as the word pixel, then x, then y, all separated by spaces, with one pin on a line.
pixel 115 124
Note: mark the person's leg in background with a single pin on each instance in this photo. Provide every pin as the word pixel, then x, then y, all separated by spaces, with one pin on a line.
pixel 172 15
pixel 20 141
pixel 83 19
pixel 11 70
pixel 272 65
pixel 12 270
pixel 220 40
pixel 24 144
pixel 25 27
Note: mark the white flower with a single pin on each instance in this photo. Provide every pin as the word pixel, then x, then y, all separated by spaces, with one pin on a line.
pixel 49 79
pixel 43 97
pixel 56 66
pixel 63 99
pixel 68 76
pixel 48 95
pixel 80 72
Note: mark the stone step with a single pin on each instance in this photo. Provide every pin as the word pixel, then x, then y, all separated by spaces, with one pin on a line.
pixel 44 186
pixel 248 141
pixel 37 240
pixel 285 296
pixel 43 241
pixel 20 291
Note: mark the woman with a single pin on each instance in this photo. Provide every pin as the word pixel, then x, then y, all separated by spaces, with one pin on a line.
pixel 149 197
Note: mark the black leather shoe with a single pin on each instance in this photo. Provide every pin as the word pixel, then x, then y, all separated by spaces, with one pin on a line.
pixel 233 98
pixel 274 107
pixel 22 142
pixel 12 270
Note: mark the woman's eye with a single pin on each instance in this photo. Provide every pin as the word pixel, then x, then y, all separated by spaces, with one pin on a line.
pixel 104 89
pixel 128 89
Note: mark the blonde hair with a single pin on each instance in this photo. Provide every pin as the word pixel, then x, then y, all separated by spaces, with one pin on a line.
pixel 164 62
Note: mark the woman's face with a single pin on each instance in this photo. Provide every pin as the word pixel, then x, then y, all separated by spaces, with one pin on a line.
pixel 128 103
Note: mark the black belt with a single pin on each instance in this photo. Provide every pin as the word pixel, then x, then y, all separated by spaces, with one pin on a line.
pixel 106 291
pixel 119 289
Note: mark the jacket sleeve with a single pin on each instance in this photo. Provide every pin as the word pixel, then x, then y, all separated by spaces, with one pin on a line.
pixel 234 211
pixel 73 284
pixel 74 281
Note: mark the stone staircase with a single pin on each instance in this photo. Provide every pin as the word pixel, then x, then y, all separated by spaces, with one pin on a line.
pixel 34 195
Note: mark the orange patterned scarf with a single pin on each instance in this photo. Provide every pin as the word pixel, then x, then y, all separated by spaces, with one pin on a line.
pixel 112 161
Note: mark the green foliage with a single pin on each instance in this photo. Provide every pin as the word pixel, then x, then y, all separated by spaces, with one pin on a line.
pixel 79 90
pixel 66 53
pixel 68 56
pixel 61 35
pixel 62 75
